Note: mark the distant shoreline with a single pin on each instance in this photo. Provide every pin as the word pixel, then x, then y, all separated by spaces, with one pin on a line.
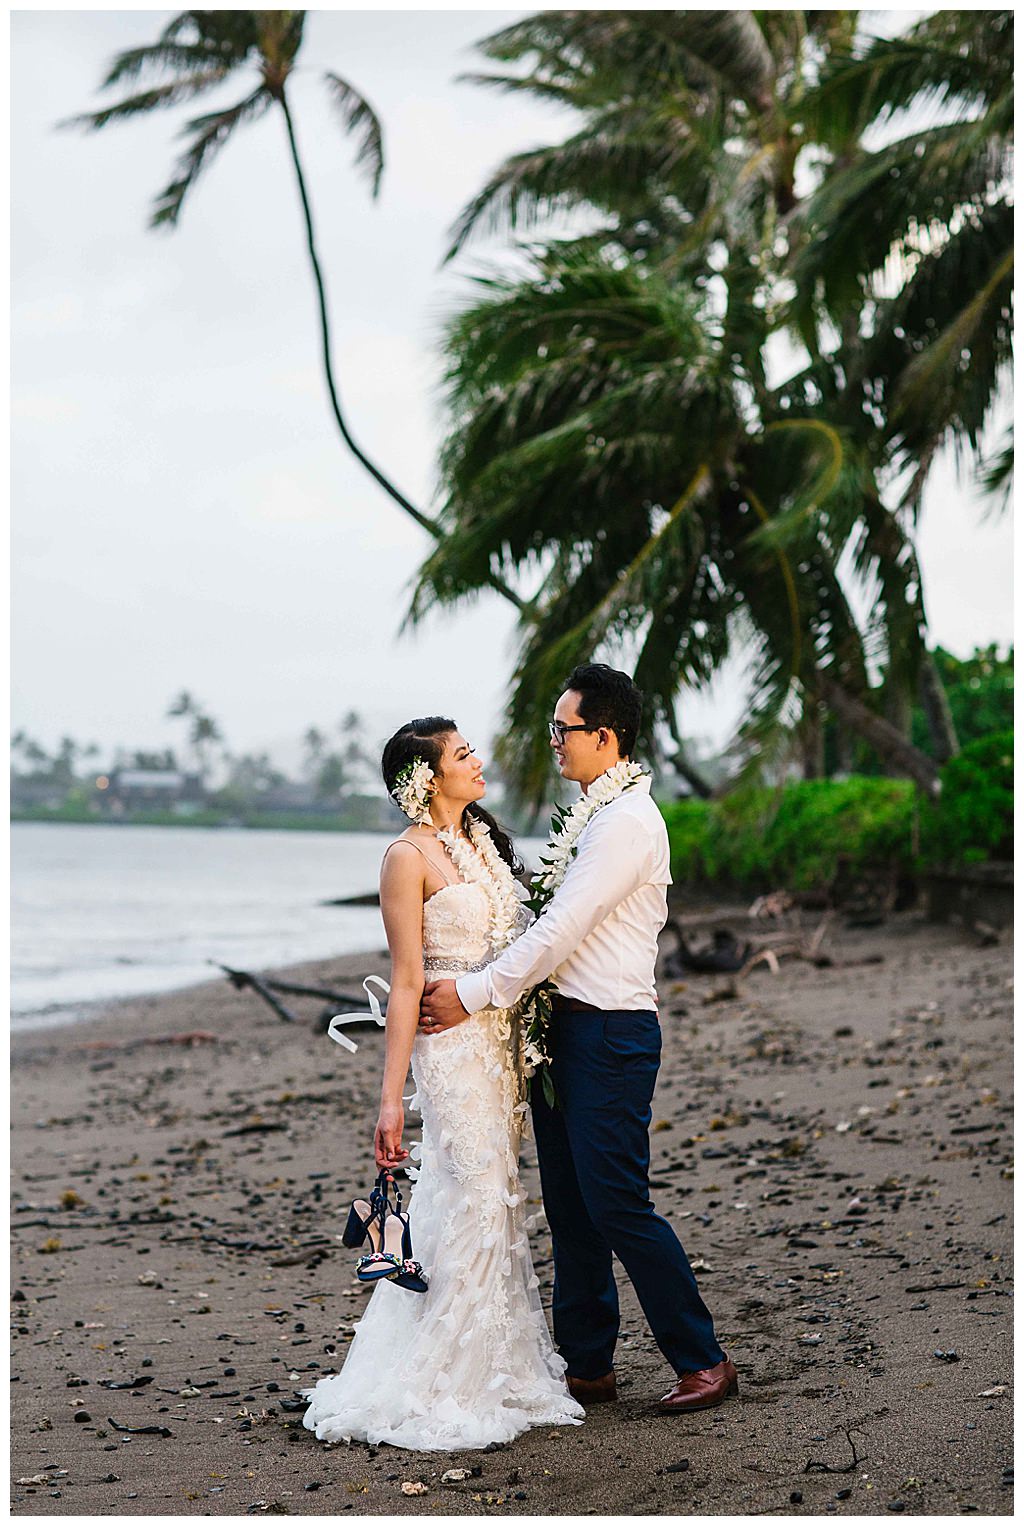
pixel 279 821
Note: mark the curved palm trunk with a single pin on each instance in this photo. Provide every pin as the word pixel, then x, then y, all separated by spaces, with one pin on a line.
pixel 430 525
pixel 935 705
pixel 325 339
pixel 812 741
pixel 682 765
pixel 894 750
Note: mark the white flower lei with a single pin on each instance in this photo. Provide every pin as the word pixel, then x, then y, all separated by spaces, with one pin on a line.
pixel 493 875
pixel 561 848
pixel 412 790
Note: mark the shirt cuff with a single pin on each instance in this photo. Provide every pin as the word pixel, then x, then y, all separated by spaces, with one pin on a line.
pixel 472 991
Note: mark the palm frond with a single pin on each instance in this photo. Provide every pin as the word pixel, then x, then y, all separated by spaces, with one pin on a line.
pixel 617 165
pixel 996 473
pixel 658 50
pixel 178 58
pixel 892 75
pixel 170 94
pixel 892 206
pixel 209 133
pixel 962 359
pixel 359 119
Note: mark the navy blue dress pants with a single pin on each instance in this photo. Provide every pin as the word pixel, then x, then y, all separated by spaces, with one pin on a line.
pixel 593 1150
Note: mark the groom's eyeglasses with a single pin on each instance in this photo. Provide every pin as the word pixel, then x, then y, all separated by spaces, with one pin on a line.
pixel 560 732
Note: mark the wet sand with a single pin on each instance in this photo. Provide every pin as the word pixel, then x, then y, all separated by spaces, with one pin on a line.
pixel 832 1144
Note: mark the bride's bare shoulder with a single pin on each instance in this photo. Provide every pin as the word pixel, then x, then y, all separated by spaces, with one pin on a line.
pixel 404 856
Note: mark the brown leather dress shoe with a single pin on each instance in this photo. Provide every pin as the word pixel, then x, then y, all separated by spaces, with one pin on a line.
pixel 704 1389
pixel 588 1391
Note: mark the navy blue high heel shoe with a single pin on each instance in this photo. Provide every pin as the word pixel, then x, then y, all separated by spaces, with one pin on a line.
pixel 411 1276
pixel 390 1258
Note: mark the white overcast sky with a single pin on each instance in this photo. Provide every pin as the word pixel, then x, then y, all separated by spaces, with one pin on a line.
pixel 184 514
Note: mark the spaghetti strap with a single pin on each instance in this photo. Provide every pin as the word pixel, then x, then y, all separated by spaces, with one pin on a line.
pixel 426 857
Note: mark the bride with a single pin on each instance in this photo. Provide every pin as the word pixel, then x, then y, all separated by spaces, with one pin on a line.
pixel 469 1361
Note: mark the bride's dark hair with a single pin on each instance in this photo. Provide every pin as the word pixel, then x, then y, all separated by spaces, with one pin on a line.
pixel 424 739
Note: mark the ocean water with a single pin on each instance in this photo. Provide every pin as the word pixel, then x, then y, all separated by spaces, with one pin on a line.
pixel 101 912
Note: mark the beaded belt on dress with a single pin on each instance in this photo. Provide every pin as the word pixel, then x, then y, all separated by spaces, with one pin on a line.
pixel 432 962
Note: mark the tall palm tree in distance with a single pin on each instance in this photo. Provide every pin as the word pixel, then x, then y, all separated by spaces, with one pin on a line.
pixel 197 52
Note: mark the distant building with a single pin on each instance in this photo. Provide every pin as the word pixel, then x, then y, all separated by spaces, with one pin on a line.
pixel 28 793
pixel 289 796
pixel 149 789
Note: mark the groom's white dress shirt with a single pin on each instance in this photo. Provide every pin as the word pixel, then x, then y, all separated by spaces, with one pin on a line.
pixel 598 938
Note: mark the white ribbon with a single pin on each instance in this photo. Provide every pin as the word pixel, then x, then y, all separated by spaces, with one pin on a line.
pixel 375 1014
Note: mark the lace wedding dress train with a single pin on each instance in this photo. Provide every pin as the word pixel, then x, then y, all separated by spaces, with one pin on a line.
pixel 470 1361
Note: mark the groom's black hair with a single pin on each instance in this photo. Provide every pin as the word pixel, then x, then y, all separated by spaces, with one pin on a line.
pixel 608 698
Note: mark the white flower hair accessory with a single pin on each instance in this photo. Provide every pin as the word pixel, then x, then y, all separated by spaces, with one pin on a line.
pixel 412 790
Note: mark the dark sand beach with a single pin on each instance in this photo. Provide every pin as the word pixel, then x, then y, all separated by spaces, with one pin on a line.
pixel 833 1144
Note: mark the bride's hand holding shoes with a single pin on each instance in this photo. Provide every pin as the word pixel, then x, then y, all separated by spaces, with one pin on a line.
pixel 387 1136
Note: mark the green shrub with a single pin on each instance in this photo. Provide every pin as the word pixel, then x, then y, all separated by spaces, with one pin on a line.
pixel 689 828
pixel 973 817
pixel 820 821
pixel 758 840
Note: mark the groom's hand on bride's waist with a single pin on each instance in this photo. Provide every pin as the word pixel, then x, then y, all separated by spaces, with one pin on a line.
pixel 440 1007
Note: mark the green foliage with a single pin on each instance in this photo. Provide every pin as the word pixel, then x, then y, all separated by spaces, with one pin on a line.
pixel 689 825
pixel 758 840
pixel 973 817
pixel 980 693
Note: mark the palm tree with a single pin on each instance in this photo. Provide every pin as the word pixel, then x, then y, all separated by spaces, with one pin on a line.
pixel 602 435
pixel 688 160
pixel 205 732
pixel 197 52
pixel 314 742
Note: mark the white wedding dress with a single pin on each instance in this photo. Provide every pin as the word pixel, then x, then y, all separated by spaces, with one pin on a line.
pixel 470 1361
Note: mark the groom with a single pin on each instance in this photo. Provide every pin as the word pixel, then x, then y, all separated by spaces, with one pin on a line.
pixel 598 940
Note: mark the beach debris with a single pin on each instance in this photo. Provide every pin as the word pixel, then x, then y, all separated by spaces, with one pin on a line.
pixel 126 1383
pixel 993 1393
pixel 723 956
pixel 768 908
pixel 812 1465
pixel 49 1246
pixel 414 1487
pixel 70 1199
pixel 139 1430
pixel 455 1476
pixel 256 1127
pixel 243 980
pixel 149 1280
pixel 33 1479
pixel 947 1356
pixel 194 1036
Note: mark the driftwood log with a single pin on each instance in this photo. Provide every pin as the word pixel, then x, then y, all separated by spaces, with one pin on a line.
pixel 337 1001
